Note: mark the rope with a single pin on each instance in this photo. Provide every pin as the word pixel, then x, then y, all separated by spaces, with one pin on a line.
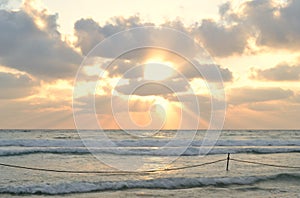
pixel 107 172
pixel 58 171
pixel 191 166
pixel 264 164
pixel 147 171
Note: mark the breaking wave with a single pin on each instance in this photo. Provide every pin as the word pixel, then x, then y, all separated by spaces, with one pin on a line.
pixel 160 183
pixel 172 151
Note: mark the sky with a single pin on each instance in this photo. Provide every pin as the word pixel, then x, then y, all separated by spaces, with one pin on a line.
pixel 50 77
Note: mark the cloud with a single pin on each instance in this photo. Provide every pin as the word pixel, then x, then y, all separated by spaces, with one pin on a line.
pixel 90 33
pixel 27 114
pixel 209 72
pixel 127 69
pixel 10 4
pixel 223 41
pixel 276 25
pixel 132 65
pixel 281 72
pixel 133 70
pixel 268 114
pixel 278 106
pixel 16 86
pixel 261 116
pixel 272 111
pixel 251 95
pixel 110 105
pixel 265 23
pixel 40 52
pixel 146 87
pixel 3 3
pixel 210 109
pixel 296 98
pixel 193 103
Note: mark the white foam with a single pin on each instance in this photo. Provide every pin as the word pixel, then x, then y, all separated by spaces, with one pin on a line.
pixel 160 183
pixel 142 143
pixel 172 151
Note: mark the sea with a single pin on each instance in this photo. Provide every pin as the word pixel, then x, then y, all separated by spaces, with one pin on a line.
pixel 59 163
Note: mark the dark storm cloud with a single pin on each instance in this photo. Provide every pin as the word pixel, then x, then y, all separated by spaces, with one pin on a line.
pixel 42 53
pixel 252 95
pixel 282 72
pixel 15 86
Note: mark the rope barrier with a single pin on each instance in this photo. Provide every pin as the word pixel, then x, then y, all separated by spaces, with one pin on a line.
pixel 147 171
pixel 193 166
pixel 108 172
pixel 264 164
pixel 57 171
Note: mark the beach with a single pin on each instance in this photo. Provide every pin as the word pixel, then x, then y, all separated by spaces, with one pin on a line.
pixel 64 150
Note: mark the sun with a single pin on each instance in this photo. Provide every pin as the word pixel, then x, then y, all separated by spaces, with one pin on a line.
pixel 162 102
pixel 157 70
pixel 161 107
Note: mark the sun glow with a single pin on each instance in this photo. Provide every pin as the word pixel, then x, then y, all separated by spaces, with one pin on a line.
pixel 161 107
pixel 158 70
pixel 163 102
pixel 40 23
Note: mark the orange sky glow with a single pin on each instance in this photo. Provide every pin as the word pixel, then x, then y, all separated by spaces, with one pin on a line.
pixel 254 45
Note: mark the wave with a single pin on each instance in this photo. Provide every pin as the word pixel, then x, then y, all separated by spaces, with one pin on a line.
pixel 190 151
pixel 142 143
pixel 160 183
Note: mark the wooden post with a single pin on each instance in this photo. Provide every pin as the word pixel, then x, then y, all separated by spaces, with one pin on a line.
pixel 227 165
